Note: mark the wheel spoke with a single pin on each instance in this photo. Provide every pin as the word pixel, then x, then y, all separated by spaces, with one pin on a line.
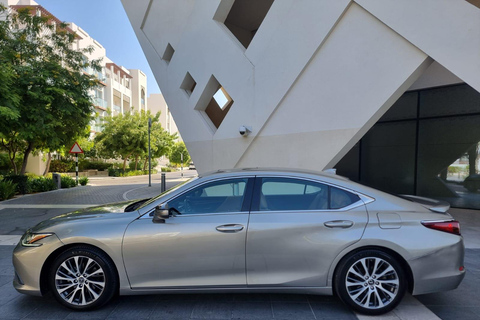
pixel 384 272
pixel 358 294
pixel 77 267
pixel 94 273
pixel 64 265
pixel 66 288
pixel 390 294
pixel 356 273
pixel 365 267
pixel 392 282
pixel 379 300
pixel 58 277
pixel 94 294
pixel 87 265
pixel 102 284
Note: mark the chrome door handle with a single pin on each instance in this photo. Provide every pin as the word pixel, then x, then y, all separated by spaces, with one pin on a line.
pixel 230 228
pixel 339 224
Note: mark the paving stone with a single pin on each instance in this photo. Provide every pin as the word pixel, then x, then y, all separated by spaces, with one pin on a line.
pixel 212 310
pixel 292 310
pixel 252 310
pixel 289 297
pixel 7 293
pixel 49 309
pixel 133 308
pixel 173 309
pixel 252 297
pixel 455 313
pixel 20 307
pixel 98 314
pixel 334 310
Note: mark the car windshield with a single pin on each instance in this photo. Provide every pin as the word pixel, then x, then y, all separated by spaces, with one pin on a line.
pixel 166 192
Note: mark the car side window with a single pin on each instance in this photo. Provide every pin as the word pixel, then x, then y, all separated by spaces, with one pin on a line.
pixel 278 194
pixel 340 198
pixel 214 197
pixel 287 194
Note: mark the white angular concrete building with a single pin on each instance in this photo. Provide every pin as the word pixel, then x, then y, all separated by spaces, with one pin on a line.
pixel 314 79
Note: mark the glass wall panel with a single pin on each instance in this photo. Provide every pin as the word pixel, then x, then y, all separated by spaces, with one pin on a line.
pixel 448 160
pixel 427 144
pixel 349 165
pixel 404 108
pixel 388 157
pixel 445 101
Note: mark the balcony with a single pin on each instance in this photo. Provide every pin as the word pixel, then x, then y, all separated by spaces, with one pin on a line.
pixel 102 104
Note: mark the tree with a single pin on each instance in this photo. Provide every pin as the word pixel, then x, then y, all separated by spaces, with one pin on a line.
pixel 50 103
pixel 176 154
pixel 126 137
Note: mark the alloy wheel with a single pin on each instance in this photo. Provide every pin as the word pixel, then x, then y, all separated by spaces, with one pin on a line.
pixel 80 280
pixel 372 283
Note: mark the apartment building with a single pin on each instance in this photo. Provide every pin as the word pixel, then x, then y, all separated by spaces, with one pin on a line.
pixel 157 103
pixel 121 90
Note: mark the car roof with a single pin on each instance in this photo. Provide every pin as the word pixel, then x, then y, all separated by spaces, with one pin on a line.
pixel 272 170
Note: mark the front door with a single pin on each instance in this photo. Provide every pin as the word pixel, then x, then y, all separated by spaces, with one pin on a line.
pixel 202 244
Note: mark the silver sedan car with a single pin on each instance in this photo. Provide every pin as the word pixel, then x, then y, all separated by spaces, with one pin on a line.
pixel 252 230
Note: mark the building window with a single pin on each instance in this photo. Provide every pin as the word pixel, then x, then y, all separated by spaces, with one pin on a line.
pixel 168 53
pixel 214 103
pixel 188 84
pixel 142 97
pixel 243 17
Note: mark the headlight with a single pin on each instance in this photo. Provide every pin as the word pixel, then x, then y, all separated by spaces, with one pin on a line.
pixel 30 239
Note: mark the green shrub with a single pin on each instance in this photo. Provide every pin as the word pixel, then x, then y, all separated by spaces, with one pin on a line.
pixel 93 165
pixel 42 184
pixel 128 173
pixel 83 181
pixel 7 189
pixel 68 182
pixel 166 169
pixel 62 166
pixel 23 186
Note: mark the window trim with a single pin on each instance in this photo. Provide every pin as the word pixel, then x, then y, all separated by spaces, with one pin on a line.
pixel 364 199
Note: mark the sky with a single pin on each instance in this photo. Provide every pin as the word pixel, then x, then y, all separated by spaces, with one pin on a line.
pixel 106 22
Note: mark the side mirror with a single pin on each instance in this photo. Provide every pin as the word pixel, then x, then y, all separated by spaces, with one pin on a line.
pixel 161 213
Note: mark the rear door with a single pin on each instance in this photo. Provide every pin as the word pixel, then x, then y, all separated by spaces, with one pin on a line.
pixel 297 227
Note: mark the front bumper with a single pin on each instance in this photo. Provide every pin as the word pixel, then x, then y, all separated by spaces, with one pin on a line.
pixel 440 270
pixel 28 263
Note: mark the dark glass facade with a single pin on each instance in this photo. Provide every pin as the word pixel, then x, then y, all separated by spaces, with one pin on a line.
pixel 427 144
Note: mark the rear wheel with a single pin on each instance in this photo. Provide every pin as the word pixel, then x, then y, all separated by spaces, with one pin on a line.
pixel 83 278
pixel 371 282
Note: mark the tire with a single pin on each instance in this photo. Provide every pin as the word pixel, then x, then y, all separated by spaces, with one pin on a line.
pixel 375 290
pixel 83 278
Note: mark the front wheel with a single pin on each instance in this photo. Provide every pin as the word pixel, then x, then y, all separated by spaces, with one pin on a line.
pixel 83 278
pixel 371 282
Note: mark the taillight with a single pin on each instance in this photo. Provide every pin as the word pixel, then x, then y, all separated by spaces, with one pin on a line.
pixel 445 226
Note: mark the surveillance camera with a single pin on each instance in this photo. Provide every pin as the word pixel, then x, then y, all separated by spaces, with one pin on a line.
pixel 244 130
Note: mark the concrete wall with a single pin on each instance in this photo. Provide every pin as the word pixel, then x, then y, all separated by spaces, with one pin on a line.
pixel 316 76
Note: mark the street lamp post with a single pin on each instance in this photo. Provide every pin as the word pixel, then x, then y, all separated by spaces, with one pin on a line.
pixel 181 158
pixel 149 154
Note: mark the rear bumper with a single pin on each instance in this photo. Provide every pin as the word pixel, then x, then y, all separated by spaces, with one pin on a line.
pixel 439 270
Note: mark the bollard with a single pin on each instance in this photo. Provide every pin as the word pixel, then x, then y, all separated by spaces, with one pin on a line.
pixel 57 179
pixel 164 183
